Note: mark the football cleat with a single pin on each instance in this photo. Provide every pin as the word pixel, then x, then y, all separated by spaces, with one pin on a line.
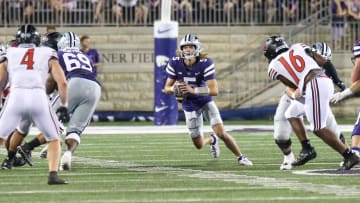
pixel 286 164
pixel 55 180
pixel 350 162
pixel 243 160
pixel 7 164
pixel 214 146
pixel 305 156
pixel 19 161
pixel 25 153
pixel 65 163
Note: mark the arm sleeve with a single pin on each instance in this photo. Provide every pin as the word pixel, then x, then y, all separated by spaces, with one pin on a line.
pixel 331 71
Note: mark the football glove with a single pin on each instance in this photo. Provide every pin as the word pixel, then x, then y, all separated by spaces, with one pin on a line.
pixel 62 114
pixel 339 96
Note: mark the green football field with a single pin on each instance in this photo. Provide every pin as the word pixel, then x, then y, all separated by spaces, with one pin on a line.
pixel 134 166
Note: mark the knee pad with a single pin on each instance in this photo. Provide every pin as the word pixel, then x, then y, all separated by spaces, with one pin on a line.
pixel 283 144
pixel 282 129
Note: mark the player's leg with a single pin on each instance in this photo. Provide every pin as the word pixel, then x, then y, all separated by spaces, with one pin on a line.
pixel 332 125
pixel 194 123
pixel 355 136
pixel 83 98
pixel 213 115
pixel 9 117
pixel 282 132
pixel 294 115
pixel 317 109
pixel 46 120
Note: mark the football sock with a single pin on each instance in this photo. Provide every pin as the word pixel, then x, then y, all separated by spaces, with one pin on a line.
pixel 32 144
pixel 11 154
pixel 347 153
pixel 306 144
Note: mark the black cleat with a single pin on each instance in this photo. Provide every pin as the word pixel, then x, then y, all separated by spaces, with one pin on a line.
pixel 7 164
pixel 305 156
pixel 25 154
pixel 350 162
pixel 19 161
pixel 55 180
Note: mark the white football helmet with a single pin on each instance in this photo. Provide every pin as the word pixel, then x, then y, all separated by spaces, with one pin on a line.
pixel 69 40
pixel 323 49
pixel 190 39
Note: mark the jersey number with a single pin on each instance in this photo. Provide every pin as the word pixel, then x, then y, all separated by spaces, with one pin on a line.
pixel 297 63
pixel 28 59
pixel 75 61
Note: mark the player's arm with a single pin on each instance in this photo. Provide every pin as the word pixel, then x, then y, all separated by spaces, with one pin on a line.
pixel 59 77
pixel 292 93
pixel 169 86
pixel 286 82
pixel 50 85
pixel 3 76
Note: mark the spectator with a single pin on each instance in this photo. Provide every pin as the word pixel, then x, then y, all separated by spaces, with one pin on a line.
pixel 354 18
pixel 93 54
pixel 270 6
pixel 289 11
pixel 61 6
pixel 99 6
pixel 124 11
pixel 27 10
pixel 185 11
pixel 249 6
pixel 230 8
pixel 141 12
pixel 14 12
pixel 154 8
pixel 339 10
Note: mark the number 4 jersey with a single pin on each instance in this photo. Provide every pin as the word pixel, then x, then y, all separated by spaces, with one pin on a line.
pixel 293 64
pixel 77 64
pixel 29 67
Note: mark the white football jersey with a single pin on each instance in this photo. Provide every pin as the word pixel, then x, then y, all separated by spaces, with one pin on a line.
pixel 29 67
pixel 293 64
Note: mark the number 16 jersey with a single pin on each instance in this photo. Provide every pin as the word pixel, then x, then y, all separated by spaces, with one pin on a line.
pixel 293 64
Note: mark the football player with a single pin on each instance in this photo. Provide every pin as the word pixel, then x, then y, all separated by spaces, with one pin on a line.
pixel 354 88
pixel 291 109
pixel 84 92
pixel 298 67
pixel 27 68
pixel 16 138
pixel 191 75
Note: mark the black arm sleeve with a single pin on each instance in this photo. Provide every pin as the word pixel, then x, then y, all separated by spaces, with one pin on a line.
pixel 331 72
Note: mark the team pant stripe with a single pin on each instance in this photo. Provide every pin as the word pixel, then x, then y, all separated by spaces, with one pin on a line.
pixel 316 105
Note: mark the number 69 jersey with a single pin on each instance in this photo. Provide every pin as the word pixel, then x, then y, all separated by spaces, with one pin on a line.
pixel 28 67
pixel 293 64
pixel 77 64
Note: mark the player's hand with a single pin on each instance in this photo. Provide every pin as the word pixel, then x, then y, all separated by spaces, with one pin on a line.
pixel 185 89
pixel 339 96
pixel 62 114
pixel 341 85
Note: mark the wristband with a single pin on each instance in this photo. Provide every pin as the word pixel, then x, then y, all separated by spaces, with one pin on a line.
pixel 202 91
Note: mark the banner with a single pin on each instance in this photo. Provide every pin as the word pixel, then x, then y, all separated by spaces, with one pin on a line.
pixel 165 106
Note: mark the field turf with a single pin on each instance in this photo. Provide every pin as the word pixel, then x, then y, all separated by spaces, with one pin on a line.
pixel 165 167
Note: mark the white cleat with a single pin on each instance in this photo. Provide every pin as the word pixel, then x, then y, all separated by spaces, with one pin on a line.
pixel 214 147
pixel 243 160
pixel 286 164
pixel 65 163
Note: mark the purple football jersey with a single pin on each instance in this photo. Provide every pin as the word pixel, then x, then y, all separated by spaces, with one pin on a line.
pixel 195 75
pixel 77 64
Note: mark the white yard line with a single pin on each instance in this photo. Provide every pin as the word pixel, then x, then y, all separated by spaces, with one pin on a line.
pixel 106 130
